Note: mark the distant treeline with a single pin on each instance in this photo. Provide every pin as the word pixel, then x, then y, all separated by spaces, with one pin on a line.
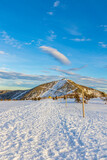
pixel 76 96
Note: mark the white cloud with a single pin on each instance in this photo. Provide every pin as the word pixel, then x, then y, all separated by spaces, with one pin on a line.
pixel 52 36
pixel 39 42
pixel 74 31
pixel 104 27
pixel 102 44
pixel 21 76
pixel 3 69
pixel 29 43
pixel 79 68
pixel 50 13
pixel 10 40
pixel 56 54
pixel 56 4
pixel 81 39
pixel 67 72
pixel 15 79
pixel 2 52
pixel 84 80
pixel 96 80
pixel 19 82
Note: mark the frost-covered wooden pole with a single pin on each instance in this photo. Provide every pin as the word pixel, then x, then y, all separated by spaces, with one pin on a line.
pixel 83 109
pixel 65 97
pixel 66 101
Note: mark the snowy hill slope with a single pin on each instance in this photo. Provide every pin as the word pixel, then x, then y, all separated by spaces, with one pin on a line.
pixel 48 130
pixel 55 90
pixel 39 90
pixel 18 94
pixel 59 88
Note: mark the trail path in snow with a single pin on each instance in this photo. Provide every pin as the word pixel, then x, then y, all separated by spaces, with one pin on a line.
pixel 48 130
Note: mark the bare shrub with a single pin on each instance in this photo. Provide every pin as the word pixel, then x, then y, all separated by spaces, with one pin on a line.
pixel 65 97
pixel 56 97
pixel 39 98
pixel 35 99
pixel 77 98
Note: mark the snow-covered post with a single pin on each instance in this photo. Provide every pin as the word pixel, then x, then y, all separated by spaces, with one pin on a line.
pixel 66 101
pixel 83 103
pixel 65 97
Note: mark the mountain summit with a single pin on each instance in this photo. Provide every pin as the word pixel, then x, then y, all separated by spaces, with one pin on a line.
pixel 53 89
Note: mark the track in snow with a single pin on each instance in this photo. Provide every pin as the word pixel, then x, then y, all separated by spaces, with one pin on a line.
pixel 48 130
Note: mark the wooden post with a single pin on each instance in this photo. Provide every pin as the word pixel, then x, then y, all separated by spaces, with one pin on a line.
pixel 83 103
pixel 66 102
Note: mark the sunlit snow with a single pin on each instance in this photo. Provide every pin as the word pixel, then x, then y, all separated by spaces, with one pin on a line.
pixel 50 130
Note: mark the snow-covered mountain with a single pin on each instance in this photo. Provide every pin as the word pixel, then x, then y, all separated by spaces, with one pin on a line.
pixel 53 89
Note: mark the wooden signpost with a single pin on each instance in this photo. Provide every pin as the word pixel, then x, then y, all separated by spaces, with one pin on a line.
pixel 66 101
pixel 83 108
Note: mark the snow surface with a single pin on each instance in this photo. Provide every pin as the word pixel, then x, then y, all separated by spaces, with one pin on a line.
pixel 53 91
pixel 50 130
pixel 18 95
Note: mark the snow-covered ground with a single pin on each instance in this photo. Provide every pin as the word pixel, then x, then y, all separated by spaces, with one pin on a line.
pixel 50 130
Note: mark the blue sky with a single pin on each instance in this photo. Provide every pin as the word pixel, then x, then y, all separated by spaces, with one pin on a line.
pixel 45 40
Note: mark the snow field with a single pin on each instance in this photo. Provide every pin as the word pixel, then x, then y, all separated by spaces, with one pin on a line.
pixel 49 130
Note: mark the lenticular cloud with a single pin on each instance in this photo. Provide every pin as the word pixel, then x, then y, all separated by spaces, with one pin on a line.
pixel 56 54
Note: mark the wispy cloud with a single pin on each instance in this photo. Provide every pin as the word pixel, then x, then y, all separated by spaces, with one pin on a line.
pixel 56 54
pixel 29 43
pixel 97 80
pixel 73 30
pixel 50 13
pixel 81 39
pixel 3 68
pixel 104 27
pixel 17 75
pixel 16 80
pixel 11 79
pixel 52 36
pixel 2 52
pixel 39 41
pixel 67 72
pixel 56 3
pixel 10 40
pixel 45 71
pixel 79 68
pixel 102 44
pixel 84 80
